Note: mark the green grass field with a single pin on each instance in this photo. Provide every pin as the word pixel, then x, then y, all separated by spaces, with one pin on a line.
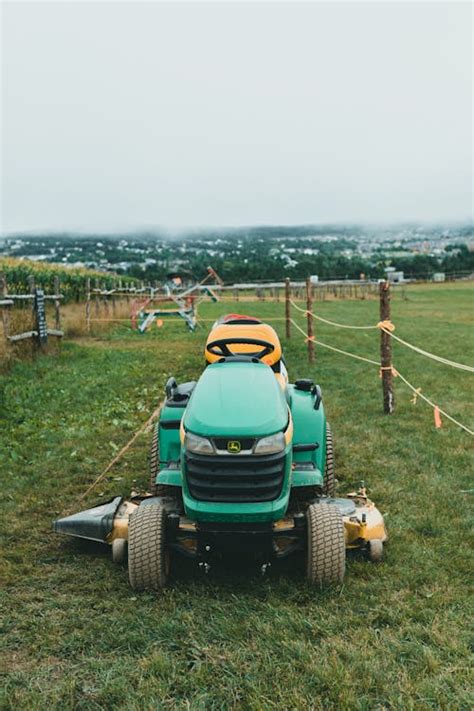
pixel 396 636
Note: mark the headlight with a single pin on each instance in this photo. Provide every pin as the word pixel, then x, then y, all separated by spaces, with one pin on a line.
pixel 198 445
pixel 270 445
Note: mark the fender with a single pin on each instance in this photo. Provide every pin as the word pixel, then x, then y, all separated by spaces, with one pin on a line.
pixel 309 438
pixel 170 445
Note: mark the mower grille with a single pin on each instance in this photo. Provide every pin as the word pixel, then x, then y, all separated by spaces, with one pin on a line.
pixel 245 443
pixel 235 479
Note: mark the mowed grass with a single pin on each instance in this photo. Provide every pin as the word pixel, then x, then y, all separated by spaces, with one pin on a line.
pixel 396 636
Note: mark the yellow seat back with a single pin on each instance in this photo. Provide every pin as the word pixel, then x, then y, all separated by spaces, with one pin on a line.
pixel 262 331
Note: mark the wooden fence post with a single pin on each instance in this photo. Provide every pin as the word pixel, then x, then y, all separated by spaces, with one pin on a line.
pixel 309 314
pixel 287 307
pixel 386 350
pixel 57 304
pixel 88 305
pixel 5 312
pixel 97 301
pixel 31 288
pixel 105 299
pixel 112 297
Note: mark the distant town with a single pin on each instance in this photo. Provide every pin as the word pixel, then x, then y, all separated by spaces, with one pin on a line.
pixel 262 253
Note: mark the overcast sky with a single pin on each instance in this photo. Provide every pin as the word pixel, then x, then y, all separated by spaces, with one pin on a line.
pixel 117 115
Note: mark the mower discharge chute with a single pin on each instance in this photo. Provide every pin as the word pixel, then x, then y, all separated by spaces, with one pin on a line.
pixel 241 464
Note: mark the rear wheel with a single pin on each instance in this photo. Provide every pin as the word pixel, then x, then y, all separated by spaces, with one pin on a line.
pixel 329 485
pixel 154 488
pixel 148 558
pixel 154 460
pixel 326 557
pixel 329 481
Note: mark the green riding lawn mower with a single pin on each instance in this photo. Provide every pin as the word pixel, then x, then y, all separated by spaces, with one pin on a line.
pixel 241 464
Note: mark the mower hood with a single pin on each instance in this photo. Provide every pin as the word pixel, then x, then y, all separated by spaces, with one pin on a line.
pixel 237 399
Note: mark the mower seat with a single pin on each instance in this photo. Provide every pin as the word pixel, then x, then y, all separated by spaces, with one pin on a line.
pixel 234 326
pixel 247 329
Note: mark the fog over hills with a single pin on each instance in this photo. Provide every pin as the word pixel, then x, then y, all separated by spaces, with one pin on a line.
pixel 261 252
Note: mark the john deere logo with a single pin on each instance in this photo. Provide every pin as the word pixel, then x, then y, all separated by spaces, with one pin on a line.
pixel 233 446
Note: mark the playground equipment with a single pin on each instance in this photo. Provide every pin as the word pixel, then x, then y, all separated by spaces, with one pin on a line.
pixel 241 465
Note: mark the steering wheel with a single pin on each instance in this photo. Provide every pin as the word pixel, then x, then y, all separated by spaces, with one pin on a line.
pixel 220 347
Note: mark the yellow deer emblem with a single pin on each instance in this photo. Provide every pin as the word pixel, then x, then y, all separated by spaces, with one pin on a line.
pixel 233 446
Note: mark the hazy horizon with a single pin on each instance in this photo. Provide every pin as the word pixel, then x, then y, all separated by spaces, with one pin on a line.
pixel 200 230
pixel 142 117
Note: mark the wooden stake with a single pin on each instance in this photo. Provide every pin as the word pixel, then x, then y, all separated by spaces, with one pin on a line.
pixel 287 307
pixel 88 305
pixel 386 350
pixel 32 287
pixel 112 298
pixel 309 309
pixel 5 312
pixel 97 301
pixel 57 305
pixel 105 299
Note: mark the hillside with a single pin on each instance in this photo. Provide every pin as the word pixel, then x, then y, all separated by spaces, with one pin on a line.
pixel 264 252
pixel 395 636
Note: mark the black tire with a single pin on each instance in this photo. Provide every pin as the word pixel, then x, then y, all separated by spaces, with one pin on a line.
pixel 154 461
pixel 326 556
pixel 148 558
pixel 309 493
pixel 329 485
pixel 154 488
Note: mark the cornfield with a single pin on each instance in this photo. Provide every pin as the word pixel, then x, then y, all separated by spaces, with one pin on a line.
pixel 73 281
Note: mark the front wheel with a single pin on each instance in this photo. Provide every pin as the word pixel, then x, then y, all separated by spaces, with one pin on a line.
pixel 326 555
pixel 148 557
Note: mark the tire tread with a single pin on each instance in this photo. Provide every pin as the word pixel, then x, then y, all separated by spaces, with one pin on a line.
pixel 154 460
pixel 326 556
pixel 147 564
pixel 329 485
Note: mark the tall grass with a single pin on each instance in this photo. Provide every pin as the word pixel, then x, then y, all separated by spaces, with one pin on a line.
pixel 72 280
